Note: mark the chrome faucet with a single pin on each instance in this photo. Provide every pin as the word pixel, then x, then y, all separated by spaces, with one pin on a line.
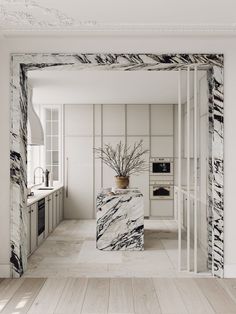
pixel 35 173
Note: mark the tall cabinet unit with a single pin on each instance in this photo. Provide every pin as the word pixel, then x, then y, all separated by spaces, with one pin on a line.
pixel 162 154
pixel 78 161
pixel 138 128
pixel 113 131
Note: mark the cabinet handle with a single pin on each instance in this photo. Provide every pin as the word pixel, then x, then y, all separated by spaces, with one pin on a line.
pixel 49 200
pixel 67 170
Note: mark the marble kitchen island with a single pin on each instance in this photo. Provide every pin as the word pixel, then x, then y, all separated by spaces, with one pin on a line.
pixel 120 220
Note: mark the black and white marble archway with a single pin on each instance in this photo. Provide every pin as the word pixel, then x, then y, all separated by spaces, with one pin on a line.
pixel 22 63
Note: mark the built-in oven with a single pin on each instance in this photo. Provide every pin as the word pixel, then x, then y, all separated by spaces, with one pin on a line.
pixel 161 166
pixel 161 191
pixel 41 219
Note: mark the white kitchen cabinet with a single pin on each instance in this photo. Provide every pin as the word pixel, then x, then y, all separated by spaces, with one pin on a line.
pixel 162 120
pixel 138 120
pixel 61 205
pixel 113 120
pixel 28 230
pixel 79 170
pixel 162 208
pixel 108 173
pixel 50 213
pixel 55 209
pixel 79 178
pixel 78 120
pixel 162 146
pixel 141 180
pixel 46 217
pixel 33 226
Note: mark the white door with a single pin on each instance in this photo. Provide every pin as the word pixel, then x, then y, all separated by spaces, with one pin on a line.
pixel 79 165
pixel 34 226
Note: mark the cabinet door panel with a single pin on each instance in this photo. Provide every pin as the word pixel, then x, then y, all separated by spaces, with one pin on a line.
pixel 54 216
pixel 28 230
pixel 161 119
pixel 108 173
pixel 162 208
pixel 137 119
pixel 50 213
pixel 79 178
pixel 78 120
pixel 58 208
pixel 141 181
pixel 162 146
pixel 61 205
pixel 46 217
pixel 34 226
pixel 114 120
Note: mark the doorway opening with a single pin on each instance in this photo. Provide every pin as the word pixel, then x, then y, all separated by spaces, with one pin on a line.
pixel 160 183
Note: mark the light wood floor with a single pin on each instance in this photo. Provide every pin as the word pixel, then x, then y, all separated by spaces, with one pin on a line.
pixel 70 251
pixel 118 295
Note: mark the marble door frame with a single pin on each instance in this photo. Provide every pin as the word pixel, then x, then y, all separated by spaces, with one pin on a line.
pixel 22 63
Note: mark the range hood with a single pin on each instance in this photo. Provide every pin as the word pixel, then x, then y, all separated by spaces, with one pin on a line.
pixel 34 127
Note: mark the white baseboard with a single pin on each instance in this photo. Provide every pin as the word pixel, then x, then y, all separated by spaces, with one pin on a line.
pixel 5 271
pixel 230 271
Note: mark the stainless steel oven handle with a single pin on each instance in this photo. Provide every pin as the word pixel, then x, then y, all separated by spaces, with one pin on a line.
pixel 67 168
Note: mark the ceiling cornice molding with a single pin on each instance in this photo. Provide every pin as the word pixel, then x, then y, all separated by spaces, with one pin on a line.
pixel 33 18
pixel 93 28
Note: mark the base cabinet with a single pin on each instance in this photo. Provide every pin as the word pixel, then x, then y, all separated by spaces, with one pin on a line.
pixel 61 201
pixel 53 216
pixel 50 213
pixel 32 223
pixel 46 230
pixel 56 209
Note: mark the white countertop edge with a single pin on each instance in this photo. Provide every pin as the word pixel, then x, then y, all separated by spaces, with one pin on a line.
pixel 39 194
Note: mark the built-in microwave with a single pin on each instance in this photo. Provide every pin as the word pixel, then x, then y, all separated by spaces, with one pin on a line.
pixel 161 191
pixel 161 166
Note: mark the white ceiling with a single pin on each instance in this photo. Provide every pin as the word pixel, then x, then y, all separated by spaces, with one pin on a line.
pixel 107 87
pixel 31 15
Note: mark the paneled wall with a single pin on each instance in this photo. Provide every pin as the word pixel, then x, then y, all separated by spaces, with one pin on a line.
pixel 88 126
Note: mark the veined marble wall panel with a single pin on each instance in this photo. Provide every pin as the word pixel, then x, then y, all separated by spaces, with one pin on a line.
pixel 21 63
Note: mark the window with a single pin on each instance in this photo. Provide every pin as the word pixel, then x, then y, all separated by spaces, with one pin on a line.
pixel 52 133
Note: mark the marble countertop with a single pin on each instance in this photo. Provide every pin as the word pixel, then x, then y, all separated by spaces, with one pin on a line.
pixel 39 194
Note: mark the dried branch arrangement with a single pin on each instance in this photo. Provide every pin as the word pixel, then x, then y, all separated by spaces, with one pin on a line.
pixel 123 159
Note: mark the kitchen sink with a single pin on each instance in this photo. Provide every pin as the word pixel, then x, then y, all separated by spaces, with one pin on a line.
pixel 45 188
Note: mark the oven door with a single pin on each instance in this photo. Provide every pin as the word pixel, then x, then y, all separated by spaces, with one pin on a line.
pixel 161 192
pixel 41 219
pixel 161 168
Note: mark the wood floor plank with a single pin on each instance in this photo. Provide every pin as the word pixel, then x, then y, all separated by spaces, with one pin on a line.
pixel 7 289
pixel 145 298
pixel 230 287
pixel 24 296
pixel 48 297
pixel 194 300
pixel 169 297
pixel 121 296
pixel 96 296
pixel 217 296
pixel 72 298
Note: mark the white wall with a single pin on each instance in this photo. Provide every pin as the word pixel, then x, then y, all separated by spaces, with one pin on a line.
pixel 127 44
